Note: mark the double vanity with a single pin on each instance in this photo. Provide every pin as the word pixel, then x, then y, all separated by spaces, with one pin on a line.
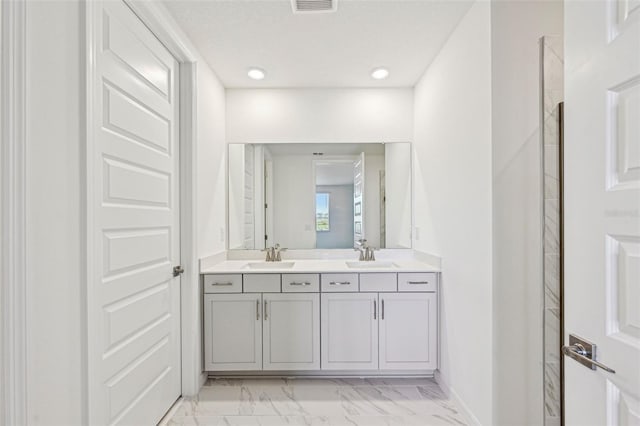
pixel 319 310
pixel 320 316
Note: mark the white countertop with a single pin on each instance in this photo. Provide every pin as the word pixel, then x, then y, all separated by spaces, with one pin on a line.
pixel 316 266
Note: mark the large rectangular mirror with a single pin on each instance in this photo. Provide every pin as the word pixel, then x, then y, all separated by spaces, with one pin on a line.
pixel 324 196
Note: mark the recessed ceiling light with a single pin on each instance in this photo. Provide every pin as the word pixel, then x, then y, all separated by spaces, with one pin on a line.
pixel 380 73
pixel 256 73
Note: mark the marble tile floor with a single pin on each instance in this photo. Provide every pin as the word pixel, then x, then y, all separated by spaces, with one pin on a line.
pixel 317 402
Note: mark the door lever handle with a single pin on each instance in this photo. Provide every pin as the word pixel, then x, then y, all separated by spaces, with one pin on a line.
pixel 578 352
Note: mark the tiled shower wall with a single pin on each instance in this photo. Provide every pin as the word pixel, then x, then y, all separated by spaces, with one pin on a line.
pixel 552 92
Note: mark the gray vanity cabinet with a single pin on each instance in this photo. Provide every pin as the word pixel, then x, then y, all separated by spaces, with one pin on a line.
pixel 408 331
pixel 233 331
pixel 291 331
pixel 349 331
pixel 346 322
pixel 255 331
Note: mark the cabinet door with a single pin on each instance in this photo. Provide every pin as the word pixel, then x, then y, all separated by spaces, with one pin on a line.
pixel 349 331
pixel 291 331
pixel 233 332
pixel 408 331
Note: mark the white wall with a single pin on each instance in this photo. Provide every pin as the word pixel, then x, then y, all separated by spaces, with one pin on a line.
pixel 517 294
pixel 397 159
pixel 453 202
pixel 211 163
pixel 319 115
pixel 54 253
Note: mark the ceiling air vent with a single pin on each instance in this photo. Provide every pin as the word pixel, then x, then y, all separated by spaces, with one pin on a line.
pixel 314 6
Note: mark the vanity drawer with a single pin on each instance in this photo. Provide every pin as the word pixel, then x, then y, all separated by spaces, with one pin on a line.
pixel 418 281
pixel 300 283
pixel 333 283
pixel 379 282
pixel 218 283
pixel 261 283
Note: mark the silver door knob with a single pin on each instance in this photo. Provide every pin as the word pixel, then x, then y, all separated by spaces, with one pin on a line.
pixel 177 270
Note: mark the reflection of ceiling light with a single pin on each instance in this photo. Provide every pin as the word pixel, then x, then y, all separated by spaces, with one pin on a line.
pixel 256 73
pixel 380 73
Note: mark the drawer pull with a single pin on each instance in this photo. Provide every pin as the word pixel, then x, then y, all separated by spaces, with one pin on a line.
pixel 375 314
pixel 265 310
pixel 340 283
pixel 382 316
pixel 417 282
pixel 221 284
pixel 304 283
pixel 257 309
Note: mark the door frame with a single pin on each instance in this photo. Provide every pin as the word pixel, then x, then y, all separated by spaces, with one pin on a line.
pixel 13 283
pixel 158 20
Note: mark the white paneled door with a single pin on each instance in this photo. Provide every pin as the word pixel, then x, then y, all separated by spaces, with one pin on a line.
pixel 358 200
pixel 602 209
pixel 133 222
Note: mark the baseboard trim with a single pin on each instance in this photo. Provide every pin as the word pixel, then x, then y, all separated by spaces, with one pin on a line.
pixel 470 418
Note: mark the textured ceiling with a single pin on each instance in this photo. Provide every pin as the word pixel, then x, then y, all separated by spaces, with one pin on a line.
pixel 318 50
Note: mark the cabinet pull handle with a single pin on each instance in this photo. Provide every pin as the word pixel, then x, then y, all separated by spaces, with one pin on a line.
pixel 257 309
pixel 382 313
pixel 374 310
pixel 265 310
pixel 221 283
pixel 304 283
pixel 417 282
pixel 340 283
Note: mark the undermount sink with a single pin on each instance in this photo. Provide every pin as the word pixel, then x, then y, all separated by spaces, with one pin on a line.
pixel 269 265
pixel 374 264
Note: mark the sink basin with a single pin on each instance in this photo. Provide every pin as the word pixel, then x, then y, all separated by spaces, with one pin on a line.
pixel 269 265
pixel 357 264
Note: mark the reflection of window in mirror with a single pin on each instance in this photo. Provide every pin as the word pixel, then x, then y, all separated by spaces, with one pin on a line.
pixel 322 212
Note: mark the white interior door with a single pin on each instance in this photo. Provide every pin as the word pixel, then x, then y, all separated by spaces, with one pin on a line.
pixel 133 298
pixel 602 208
pixel 248 198
pixel 358 200
pixel 268 198
pixel 291 331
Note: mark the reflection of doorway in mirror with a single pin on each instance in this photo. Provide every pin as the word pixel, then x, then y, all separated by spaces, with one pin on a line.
pixel 358 200
pixel 334 208
pixel 268 199
pixel 383 207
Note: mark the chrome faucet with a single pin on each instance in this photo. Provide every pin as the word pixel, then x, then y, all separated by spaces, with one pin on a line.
pixel 276 253
pixel 368 255
pixel 273 253
pixel 366 252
